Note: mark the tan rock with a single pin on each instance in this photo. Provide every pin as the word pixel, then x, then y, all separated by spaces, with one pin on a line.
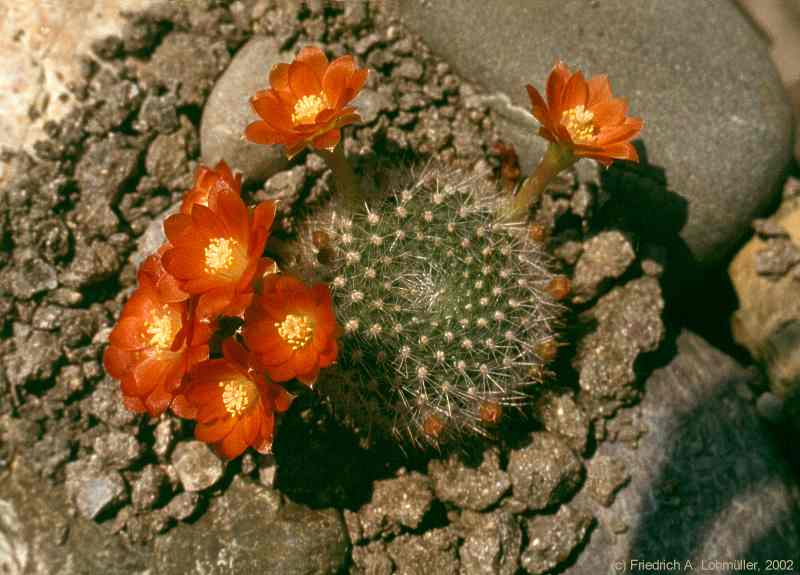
pixel 767 322
pixel 39 44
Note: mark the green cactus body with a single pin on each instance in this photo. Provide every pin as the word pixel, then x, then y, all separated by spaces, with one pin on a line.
pixel 443 308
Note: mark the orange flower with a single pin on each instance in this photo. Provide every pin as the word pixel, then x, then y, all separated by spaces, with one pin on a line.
pixel 583 116
pixel 149 349
pixel 292 329
pixel 215 251
pixel 233 403
pixel 306 102
pixel 167 286
pixel 207 179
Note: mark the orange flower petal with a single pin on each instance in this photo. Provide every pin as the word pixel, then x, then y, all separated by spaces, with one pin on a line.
pixel 263 218
pixel 281 372
pixel 181 407
pixel 279 77
pixel 609 112
pixel 263 441
pixel 335 79
pixel 576 92
pixel 328 140
pixel 316 60
pixel 538 106
pixel 261 133
pixel 303 80
pixel 357 81
pixel 232 213
pixel 134 404
pixel 214 431
pixel 250 423
pixel 309 378
pixel 273 111
pixel 619 133
pixel 599 90
pixel 185 263
pixel 178 228
pixel 128 334
pixel 234 444
pixel 556 83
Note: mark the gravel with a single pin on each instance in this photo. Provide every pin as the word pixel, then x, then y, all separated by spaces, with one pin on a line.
pixel 396 504
pixel 197 466
pixel 436 551
pixel 604 257
pixel 492 543
pixel 605 476
pixel 629 324
pixel 545 473
pixel 552 538
pixel 477 486
pixel 93 490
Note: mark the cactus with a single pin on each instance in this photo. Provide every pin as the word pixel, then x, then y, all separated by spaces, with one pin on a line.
pixel 445 310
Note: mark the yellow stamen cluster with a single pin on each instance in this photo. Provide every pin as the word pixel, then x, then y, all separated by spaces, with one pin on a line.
pixel 160 330
pixel 219 254
pixel 238 395
pixel 296 330
pixel 307 108
pixel 579 123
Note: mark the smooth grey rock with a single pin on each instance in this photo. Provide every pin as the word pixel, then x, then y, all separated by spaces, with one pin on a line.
pixel 249 530
pixel 197 466
pixel 227 112
pixel 491 545
pixel 706 479
pixel 716 115
pixel 475 487
pixel 544 473
pixel 40 536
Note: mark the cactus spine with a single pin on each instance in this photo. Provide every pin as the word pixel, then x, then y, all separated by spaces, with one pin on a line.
pixel 444 308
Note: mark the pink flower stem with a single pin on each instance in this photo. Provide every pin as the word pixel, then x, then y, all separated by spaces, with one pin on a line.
pixel 347 184
pixel 556 159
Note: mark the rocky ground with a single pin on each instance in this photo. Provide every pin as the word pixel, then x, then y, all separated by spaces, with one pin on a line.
pixel 646 443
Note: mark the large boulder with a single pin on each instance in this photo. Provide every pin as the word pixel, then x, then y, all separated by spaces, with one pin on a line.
pixel 717 125
pixel 706 481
